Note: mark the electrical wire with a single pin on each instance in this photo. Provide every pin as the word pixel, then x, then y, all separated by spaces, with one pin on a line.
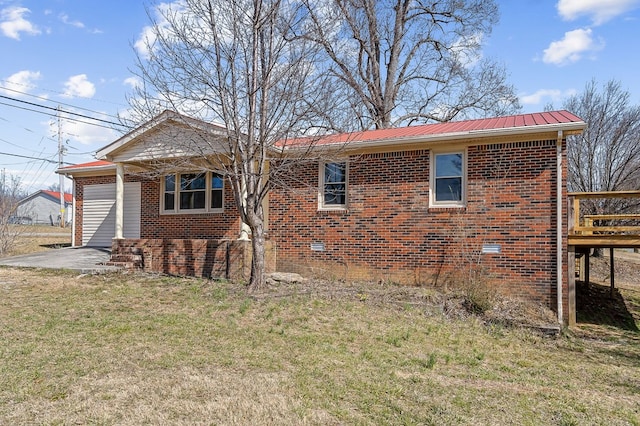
pixel 60 110
pixel 7 89
pixel 29 157
pixel 28 86
pixel 55 116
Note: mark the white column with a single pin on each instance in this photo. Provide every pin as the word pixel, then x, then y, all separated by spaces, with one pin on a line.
pixel 119 200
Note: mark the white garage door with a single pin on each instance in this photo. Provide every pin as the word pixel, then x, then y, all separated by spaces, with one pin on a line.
pixel 99 213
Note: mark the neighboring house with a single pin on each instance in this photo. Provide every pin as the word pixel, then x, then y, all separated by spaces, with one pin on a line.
pixel 418 205
pixel 43 207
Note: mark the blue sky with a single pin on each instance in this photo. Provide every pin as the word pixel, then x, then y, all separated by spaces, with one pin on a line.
pixel 78 54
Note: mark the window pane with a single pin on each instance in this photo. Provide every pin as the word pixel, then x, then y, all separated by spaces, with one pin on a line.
pixel 448 165
pixel 170 183
pixel 192 200
pixel 334 194
pixel 449 189
pixel 216 181
pixel 169 200
pixel 191 181
pixel 334 172
pixel 216 199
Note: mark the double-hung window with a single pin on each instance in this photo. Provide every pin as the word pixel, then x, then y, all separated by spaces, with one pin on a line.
pixel 192 193
pixel 448 179
pixel 333 185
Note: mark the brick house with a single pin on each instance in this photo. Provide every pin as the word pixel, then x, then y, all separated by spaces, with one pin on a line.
pixel 416 205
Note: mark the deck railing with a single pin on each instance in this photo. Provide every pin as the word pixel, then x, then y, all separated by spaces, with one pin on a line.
pixel 603 228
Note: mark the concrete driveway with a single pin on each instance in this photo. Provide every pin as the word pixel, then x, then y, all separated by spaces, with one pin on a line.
pixel 85 260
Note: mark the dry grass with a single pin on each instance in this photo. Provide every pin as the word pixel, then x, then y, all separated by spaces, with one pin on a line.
pixel 35 238
pixel 135 349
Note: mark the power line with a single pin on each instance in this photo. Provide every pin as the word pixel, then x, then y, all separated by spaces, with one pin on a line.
pixel 30 158
pixel 61 103
pixel 61 110
pixel 54 115
pixel 29 86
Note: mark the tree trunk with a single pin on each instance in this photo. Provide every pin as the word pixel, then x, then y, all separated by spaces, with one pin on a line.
pixel 257 280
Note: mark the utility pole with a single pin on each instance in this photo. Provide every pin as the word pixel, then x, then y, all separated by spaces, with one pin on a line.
pixel 60 162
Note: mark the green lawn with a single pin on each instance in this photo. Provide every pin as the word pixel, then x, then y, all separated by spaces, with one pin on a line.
pixel 134 349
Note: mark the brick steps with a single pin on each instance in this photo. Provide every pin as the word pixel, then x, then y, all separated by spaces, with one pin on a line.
pixel 132 259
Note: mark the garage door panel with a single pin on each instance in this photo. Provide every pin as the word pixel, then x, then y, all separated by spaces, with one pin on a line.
pixel 99 213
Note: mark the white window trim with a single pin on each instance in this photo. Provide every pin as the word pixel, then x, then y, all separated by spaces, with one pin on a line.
pixel 432 180
pixel 332 207
pixel 176 203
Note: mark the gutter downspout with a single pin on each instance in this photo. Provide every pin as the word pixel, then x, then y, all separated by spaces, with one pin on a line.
pixel 559 230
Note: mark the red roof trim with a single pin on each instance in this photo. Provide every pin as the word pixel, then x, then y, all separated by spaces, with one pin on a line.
pixel 99 163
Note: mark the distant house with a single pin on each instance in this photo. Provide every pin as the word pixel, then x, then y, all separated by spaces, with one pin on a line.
pixel 43 208
pixel 412 205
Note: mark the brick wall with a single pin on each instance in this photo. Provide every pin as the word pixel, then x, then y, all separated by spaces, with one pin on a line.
pixel 389 233
pixel 192 226
pixel 230 259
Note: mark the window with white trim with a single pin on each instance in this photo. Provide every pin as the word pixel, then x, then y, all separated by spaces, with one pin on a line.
pixel 448 179
pixel 192 193
pixel 333 185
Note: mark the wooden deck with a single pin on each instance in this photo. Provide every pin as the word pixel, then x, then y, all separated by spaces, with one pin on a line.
pixel 603 230
pixel 608 229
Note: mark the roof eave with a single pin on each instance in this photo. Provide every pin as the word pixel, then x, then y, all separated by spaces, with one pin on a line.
pixel 85 170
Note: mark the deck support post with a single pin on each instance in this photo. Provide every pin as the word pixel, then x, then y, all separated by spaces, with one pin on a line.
pixel 586 267
pixel 612 273
pixel 560 251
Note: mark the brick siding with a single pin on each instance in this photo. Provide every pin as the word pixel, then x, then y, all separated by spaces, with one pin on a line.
pixel 389 232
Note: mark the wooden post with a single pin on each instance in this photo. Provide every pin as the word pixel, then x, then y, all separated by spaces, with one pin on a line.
pixel 571 285
pixel 586 267
pixel 612 273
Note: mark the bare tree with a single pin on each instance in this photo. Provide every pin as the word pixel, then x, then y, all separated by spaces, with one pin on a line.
pixel 606 157
pixel 237 64
pixel 401 61
pixel 10 194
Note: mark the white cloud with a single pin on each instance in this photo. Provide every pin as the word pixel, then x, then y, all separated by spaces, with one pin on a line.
pixel 13 22
pixel 22 81
pixel 600 11
pixel 65 19
pixel 545 96
pixel 145 42
pixel 177 10
pixel 133 82
pixel 88 134
pixel 572 47
pixel 467 50
pixel 79 85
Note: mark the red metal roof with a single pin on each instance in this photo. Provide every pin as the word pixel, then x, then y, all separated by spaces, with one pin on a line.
pixel 68 198
pixel 99 163
pixel 453 127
